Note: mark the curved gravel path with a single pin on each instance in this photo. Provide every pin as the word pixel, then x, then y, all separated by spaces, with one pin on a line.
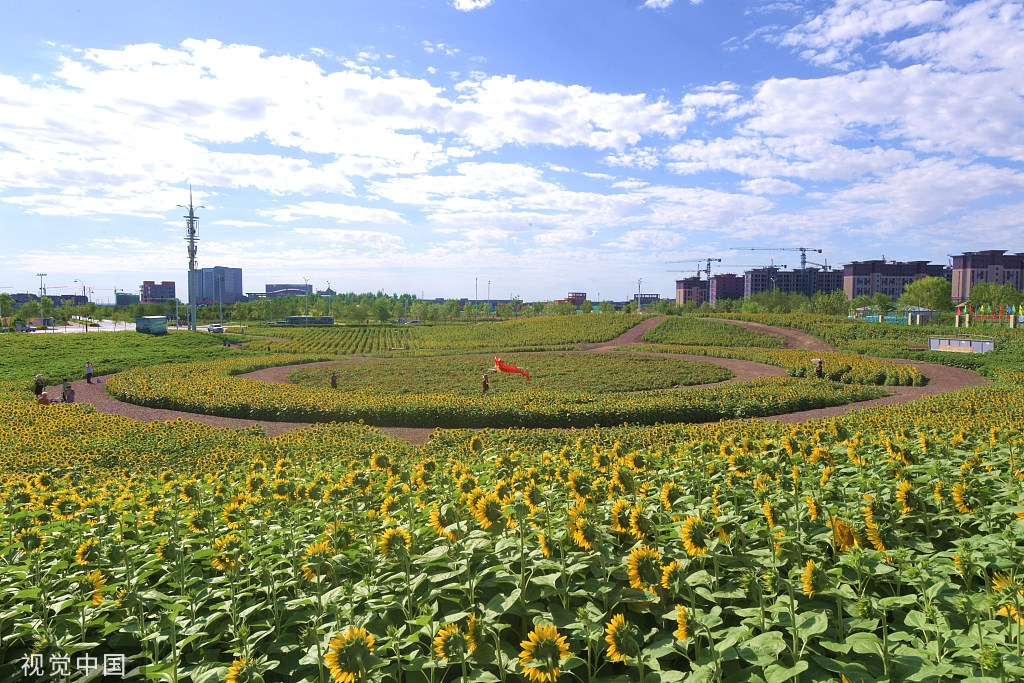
pixel 939 379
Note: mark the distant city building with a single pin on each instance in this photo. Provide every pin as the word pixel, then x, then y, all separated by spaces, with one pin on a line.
pixel 69 299
pixel 867 278
pixel 647 299
pixel 691 289
pixel 726 286
pixel 281 291
pixel 805 281
pixel 576 298
pixel 994 265
pixel 20 300
pixel 125 299
pixel 152 293
pixel 218 284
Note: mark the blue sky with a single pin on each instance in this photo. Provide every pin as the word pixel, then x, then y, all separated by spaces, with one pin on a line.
pixel 543 146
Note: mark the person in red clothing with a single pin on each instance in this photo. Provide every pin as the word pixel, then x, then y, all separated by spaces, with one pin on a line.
pixel 486 385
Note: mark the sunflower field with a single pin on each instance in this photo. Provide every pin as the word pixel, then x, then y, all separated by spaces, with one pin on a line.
pixel 211 389
pixel 524 334
pixel 461 376
pixel 692 331
pixel 848 368
pixel 882 546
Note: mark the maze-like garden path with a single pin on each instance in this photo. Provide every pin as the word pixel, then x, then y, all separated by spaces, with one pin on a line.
pixel 940 379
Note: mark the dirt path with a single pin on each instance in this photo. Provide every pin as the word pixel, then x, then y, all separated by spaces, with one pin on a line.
pixel 940 379
pixel 795 339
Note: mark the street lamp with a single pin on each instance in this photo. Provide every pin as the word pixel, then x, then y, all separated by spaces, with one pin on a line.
pixel 639 281
pixel 328 298
pixel 86 297
pixel 307 301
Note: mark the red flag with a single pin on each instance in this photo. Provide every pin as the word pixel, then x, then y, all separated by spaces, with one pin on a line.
pixel 502 366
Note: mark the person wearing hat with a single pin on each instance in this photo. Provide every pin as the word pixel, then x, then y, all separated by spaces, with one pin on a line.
pixel 40 385
pixel 43 399
pixel 819 369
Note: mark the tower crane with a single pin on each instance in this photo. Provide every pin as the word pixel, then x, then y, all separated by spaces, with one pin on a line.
pixel 707 269
pixel 803 260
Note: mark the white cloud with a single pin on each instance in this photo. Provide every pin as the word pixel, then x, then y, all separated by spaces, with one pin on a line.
pixel 831 36
pixel 470 5
pixel 368 238
pixel 661 4
pixel 343 213
pixel 647 239
pixel 770 186
pixel 241 224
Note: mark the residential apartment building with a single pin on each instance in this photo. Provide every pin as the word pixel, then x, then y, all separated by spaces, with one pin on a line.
pixel 994 265
pixel 218 284
pixel 152 293
pixel 726 286
pixel 867 278
pixel 805 281
pixel 691 289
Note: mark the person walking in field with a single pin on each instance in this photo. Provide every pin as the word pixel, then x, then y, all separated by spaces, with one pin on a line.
pixel 334 380
pixel 486 385
pixel 88 373
pixel 40 386
pixel 819 369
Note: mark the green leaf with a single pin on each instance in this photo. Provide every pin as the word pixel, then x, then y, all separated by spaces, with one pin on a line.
pixel 762 650
pixel 780 674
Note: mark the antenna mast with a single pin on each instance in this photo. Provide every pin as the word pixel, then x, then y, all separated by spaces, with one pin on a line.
pixel 191 230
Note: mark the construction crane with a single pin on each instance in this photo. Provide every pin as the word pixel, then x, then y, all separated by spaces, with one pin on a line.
pixel 707 268
pixel 803 260
pixel 803 251
pixel 731 265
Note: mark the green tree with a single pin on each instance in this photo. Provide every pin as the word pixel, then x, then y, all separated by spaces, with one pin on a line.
pixel 881 304
pixel 586 306
pixel 45 309
pixel 6 305
pixel 606 307
pixel 28 311
pixel 930 292
pixel 64 313
pixel 240 313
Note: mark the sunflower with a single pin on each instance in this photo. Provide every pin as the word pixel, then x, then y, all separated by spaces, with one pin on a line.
pixel 623 479
pixel 812 508
pixel 905 496
pixel 349 654
pixel 842 535
pixel 825 475
pixel 167 551
pixel 766 508
pixel 489 511
pixel 640 526
pixel 543 653
pixel 316 556
pixel 200 521
pixel 228 553
pixel 695 536
pixel 395 542
pixel 585 532
pixel 476 444
pixel 959 491
pixel 716 505
pixel 621 638
pixel 442 521
pixel 670 495
pixel 642 568
pixel 533 494
pixel 339 535
pixel 871 529
pixel 95 582
pixel 31 540
pixel 673 576
pixel 681 633
pixel 450 643
pixel 474 632
pixel 620 516
pixel 243 671
pixel 548 548
pixel 467 483
pixel 581 485
pixel 809 579
pixel 504 491
pixel 88 552
pixel 380 462
pixel 937 491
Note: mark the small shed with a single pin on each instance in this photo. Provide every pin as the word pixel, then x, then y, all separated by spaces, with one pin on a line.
pixel 961 344
pixel 151 324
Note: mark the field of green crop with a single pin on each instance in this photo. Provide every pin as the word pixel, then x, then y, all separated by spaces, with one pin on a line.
pixel 703 332
pixel 462 376
pixel 883 546
pixel 524 334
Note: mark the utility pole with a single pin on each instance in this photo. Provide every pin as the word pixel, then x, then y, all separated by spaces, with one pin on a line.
pixel 307 300
pixel 42 288
pixel 328 298
pixel 219 281
pixel 639 281
pixel 191 229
